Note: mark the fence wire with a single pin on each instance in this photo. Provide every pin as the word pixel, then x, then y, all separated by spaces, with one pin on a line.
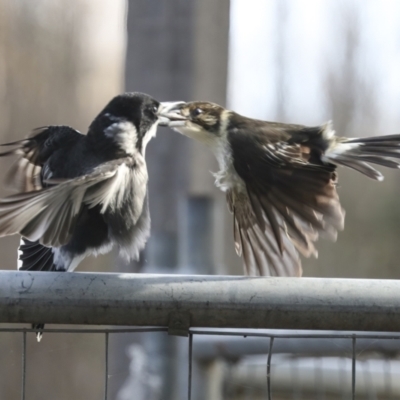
pixel 243 376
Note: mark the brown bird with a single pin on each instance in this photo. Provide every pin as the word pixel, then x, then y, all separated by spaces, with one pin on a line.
pixel 280 180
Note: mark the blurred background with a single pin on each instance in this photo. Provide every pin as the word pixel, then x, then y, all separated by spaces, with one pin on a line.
pixel 300 61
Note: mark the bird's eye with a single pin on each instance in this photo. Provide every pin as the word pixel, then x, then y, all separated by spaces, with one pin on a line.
pixel 197 111
pixel 154 109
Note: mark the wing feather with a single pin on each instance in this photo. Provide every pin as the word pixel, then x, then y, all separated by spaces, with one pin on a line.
pixel 32 153
pixel 49 215
pixel 284 204
pixel 257 247
pixel 264 208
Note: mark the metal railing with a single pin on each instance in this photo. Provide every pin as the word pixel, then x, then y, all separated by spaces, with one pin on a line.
pixel 187 305
pixel 180 302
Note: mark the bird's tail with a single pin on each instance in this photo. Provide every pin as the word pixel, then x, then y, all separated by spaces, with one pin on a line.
pixel 39 332
pixel 33 256
pixel 359 153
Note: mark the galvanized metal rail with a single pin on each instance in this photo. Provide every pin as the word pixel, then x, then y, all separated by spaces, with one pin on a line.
pixel 180 302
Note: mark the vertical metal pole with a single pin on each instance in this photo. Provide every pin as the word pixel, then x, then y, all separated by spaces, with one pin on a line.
pixel 190 366
pixel 23 365
pixel 106 367
pixel 353 370
pixel 271 343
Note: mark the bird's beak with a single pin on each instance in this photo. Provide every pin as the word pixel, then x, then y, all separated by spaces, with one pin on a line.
pixel 170 114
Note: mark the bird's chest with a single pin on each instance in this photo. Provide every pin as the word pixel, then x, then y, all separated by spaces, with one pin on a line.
pixel 227 177
pixel 126 198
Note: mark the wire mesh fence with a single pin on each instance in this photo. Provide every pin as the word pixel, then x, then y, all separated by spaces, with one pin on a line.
pixel 365 366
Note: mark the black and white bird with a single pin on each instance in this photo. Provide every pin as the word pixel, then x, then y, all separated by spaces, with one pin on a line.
pixel 82 194
pixel 280 180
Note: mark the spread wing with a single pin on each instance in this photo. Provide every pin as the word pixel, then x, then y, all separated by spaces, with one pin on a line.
pixel 285 203
pixel 49 215
pixel 32 153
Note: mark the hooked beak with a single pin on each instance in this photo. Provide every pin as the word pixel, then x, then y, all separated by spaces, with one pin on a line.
pixel 170 114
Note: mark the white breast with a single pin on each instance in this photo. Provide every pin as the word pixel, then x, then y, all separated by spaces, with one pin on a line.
pixel 128 182
pixel 226 178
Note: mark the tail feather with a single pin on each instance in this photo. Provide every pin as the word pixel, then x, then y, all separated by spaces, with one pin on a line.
pixel 33 256
pixel 380 161
pixel 39 333
pixel 380 151
pixel 376 139
pixel 359 152
pixel 360 166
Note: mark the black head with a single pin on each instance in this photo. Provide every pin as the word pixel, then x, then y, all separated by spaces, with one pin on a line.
pixel 129 120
